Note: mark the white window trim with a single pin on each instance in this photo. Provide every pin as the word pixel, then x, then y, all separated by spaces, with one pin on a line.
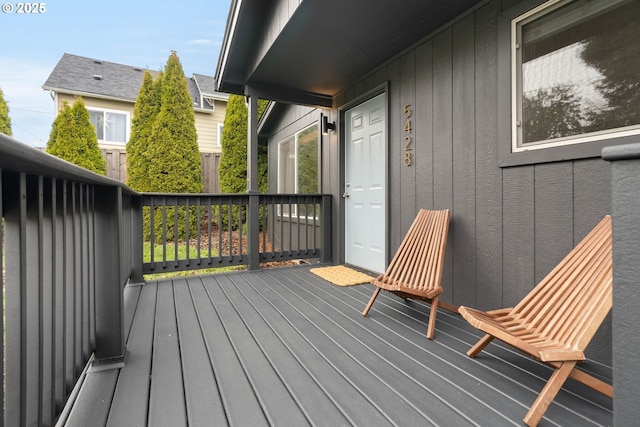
pixel 220 127
pixel 295 162
pixel 127 115
pixel 516 98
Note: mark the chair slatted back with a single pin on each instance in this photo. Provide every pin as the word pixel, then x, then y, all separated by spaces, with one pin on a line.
pixel 570 303
pixel 418 262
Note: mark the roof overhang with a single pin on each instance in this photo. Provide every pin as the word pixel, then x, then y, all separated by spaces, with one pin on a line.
pixel 87 94
pixel 324 45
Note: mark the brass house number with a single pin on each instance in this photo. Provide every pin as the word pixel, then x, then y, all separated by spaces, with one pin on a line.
pixel 407 136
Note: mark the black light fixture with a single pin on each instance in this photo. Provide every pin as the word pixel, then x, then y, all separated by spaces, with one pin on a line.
pixel 326 126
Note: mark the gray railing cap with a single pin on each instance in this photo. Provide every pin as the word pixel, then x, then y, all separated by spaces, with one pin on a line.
pixel 17 156
pixel 622 152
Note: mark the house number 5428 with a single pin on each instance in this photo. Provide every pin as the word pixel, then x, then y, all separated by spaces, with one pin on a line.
pixel 407 135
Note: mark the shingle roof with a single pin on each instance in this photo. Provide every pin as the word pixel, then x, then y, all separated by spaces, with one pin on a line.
pixel 81 75
pixel 207 85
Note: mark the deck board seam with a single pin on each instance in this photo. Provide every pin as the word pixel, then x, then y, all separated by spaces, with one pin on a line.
pixel 398 393
pixel 309 336
pixel 216 376
pixel 517 355
pixel 424 366
pixel 265 355
pixel 330 362
pixel 240 359
pixel 302 365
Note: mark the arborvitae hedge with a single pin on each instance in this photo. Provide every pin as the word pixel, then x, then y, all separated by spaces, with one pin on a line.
pixel 174 157
pixel 73 138
pixel 232 170
pixel 5 120
pixel 145 112
pixel 233 163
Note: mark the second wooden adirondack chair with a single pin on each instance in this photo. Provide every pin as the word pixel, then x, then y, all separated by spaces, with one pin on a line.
pixel 416 269
pixel 555 322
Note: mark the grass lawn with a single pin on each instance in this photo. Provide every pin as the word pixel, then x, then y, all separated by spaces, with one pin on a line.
pixel 182 254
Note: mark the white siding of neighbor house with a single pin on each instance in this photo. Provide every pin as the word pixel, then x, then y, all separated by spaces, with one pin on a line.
pixel 207 127
pixel 206 123
pixel 104 104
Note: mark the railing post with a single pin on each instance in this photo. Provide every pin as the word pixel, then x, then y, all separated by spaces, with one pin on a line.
pixel 325 224
pixel 136 239
pixel 110 275
pixel 15 240
pixel 626 271
pixel 253 231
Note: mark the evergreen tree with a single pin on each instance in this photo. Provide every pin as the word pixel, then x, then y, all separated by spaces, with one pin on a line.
pixel 145 112
pixel 232 170
pixel 73 138
pixel 233 163
pixel 5 120
pixel 174 156
pixel 174 163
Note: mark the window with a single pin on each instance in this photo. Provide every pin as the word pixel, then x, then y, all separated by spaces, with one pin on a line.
pixel 575 73
pixel 111 126
pixel 298 163
pixel 220 128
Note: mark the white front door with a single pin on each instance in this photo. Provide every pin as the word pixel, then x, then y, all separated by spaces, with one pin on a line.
pixel 365 186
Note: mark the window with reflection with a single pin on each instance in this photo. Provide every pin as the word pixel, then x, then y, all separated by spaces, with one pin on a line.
pixel 576 75
pixel 298 165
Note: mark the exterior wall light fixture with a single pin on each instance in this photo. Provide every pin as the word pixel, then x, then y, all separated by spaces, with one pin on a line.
pixel 326 126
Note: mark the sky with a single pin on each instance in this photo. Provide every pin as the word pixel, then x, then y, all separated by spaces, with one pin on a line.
pixel 139 33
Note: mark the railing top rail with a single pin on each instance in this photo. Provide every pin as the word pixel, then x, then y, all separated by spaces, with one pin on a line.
pixel 233 194
pixel 201 195
pixel 17 156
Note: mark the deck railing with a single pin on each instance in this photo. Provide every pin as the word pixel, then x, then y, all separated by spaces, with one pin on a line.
pixel 67 257
pixel 71 241
pixel 214 230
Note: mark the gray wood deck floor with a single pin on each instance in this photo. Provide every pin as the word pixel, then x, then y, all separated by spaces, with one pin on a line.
pixel 283 347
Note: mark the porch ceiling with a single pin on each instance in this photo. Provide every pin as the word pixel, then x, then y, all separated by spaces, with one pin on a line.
pixel 325 45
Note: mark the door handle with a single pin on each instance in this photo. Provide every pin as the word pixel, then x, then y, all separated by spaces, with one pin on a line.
pixel 346 195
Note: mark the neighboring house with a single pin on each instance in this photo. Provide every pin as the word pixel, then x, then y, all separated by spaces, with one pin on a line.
pixel 109 91
pixel 497 110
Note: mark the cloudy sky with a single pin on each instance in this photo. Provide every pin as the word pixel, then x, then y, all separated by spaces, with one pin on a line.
pixel 139 33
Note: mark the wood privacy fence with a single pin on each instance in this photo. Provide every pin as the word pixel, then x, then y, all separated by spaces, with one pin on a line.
pixel 117 168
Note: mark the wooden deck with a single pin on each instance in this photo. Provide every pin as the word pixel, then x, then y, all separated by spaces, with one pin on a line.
pixel 283 347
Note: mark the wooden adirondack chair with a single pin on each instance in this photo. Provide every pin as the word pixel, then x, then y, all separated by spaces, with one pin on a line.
pixel 416 269
pixel 555 322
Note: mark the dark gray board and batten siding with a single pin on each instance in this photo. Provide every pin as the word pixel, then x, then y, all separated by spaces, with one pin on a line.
pixel 510 225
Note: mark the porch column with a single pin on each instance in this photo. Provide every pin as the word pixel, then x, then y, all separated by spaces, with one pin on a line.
pixel 253 226
pixel 625 161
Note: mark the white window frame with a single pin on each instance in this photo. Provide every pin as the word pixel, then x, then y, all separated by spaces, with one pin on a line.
pixel 516 92
pixel 127 115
